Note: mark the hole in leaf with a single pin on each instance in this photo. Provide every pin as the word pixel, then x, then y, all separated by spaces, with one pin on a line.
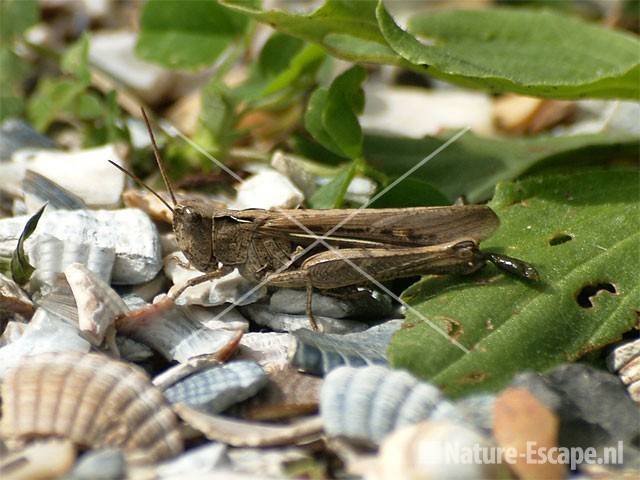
pixel 589 291
pixel 559 239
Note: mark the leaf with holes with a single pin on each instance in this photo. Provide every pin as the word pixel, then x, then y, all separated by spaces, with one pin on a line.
pixel 581 232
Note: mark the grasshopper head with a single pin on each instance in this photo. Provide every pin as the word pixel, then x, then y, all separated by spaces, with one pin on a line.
pixel 192 225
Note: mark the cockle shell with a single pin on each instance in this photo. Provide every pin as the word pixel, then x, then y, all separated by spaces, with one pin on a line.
pixel 320 353
pixel 218 387
pixel 625 361
pixel 92 400
pixel 365 404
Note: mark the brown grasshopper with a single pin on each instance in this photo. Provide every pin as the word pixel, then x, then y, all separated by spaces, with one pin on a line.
pixel 269 245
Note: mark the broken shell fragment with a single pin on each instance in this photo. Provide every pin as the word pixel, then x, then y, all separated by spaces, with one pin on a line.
pixel 231 288
pixel 39 460
pixel 283 322
pixel 210 457
pixel 102 464
pixel 624 360
pixel 164 327
pixel 267 189
pixel 218 387
pixel 474 411
pixel 269 349
pixel 365 404
pixel 13 299
pixel 98 304
pixel 93 401
pixel 129 232
pixel 240 433
pixel 12 332
pixel 318 354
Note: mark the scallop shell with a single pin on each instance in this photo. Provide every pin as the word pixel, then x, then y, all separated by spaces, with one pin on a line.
pixel 365 404
pixel 218 387
pixel 318 354
pixel 92 400
pixel 98 304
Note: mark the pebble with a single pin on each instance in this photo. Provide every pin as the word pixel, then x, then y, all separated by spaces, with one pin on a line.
pixel 267 189
pixel 102 464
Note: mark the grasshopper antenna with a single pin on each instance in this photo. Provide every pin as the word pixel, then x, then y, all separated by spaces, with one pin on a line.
pixel 156 153
pixel 139 181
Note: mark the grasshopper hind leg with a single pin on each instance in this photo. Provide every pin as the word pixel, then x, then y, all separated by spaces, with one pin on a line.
pixel 314 324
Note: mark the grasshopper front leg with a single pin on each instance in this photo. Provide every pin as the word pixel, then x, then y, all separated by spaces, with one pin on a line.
pixel 205 277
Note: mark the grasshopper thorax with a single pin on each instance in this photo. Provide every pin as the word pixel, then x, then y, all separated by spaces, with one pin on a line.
pixel 192 224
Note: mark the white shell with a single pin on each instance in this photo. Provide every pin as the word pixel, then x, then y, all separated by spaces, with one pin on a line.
pixel 93 401
pixel 422 452
pixel 365 404
pixel 269 349
pixel 129 232
pixel 50 256
pixel 38 460
pixel 232 288
pixel 12 332
pixel 222 316
pixel 267 189
pixel 164 327
pixel 625 361
pixel 85 173
pixel 283 322
pixel 201 460
pixel 98 304
pixel 13 299
pixel 45 333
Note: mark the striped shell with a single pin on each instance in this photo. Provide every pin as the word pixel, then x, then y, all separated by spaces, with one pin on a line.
pixel 624 360
pixel 365 404
pixel 91 399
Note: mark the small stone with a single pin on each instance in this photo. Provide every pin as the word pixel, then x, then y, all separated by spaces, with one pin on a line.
pixel 519 420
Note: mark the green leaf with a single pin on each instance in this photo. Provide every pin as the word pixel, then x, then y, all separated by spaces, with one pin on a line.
pixel 21 269
pixel 471 166
pixel 411 192
pixel 531 52
pixel 345 28
pixel 52 98
pixel 75 60
pixel 307 60
pixel 344 100
pixel 581 231
pixel 187 33
pixel 332 194
pixel 15 17
pixel 13 72
pixel 314 124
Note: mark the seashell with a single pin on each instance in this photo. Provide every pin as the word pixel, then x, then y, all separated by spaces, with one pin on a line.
pixel 218 387
pixel 13 299
pixel 80 172
pixel 240 433
pixel 320 353
pixel 38 190
pixel 365 404
pixel 269 463
pixel 475 411
pixel 231 288
pixel 131 350
pixel 624 360
pixel 283 322
pixel 164 327
pixel 182 370
pixel 45 333
pixel 222 316
pixel 360 304
pixel 291 167
pixel 207 458
pixel 423 451
pixel 267 189
pixel 269 349
pixel 93 401
pixel 129 232
pixel 98 304
pixel 51 256
pixel 16 135
pixel 39 460
pixel 12 332
pixel 288 393
pixel 147 290
pixel 103 464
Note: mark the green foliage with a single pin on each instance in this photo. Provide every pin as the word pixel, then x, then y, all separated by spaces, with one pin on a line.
pixel 332 194
pixel 506 50
pixel 510 325
pixel 471 166
pixel 76 60
pixel 21 269
pixel 15 17
pixel 331 116
pixel 187 33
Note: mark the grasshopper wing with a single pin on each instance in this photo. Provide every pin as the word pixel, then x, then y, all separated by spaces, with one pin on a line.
pixel 390 227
